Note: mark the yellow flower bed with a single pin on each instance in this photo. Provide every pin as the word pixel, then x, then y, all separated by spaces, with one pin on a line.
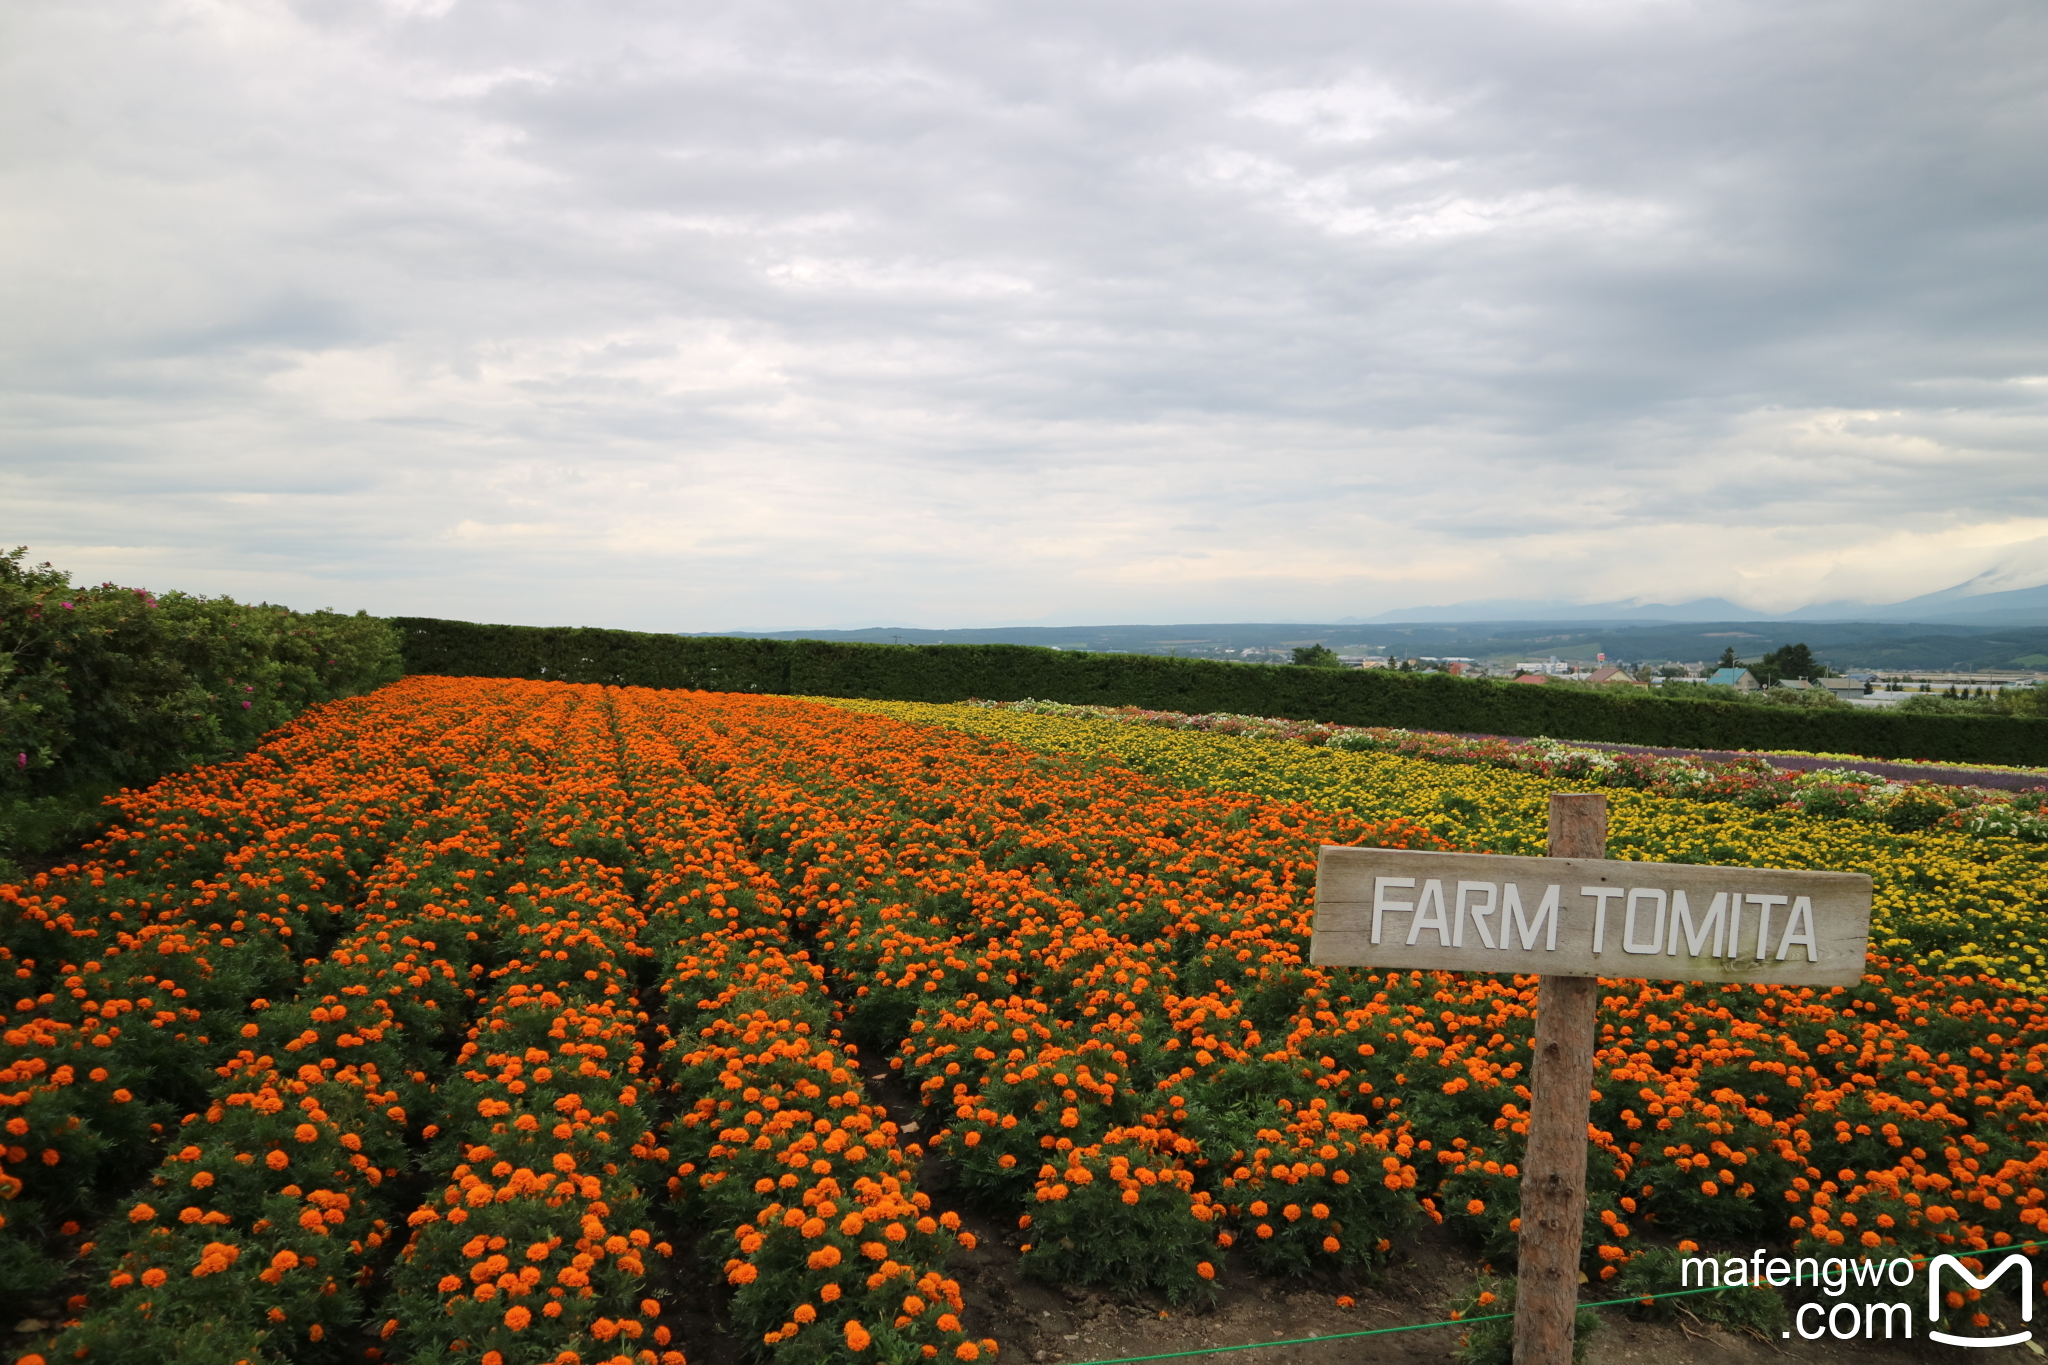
pixel 1950 900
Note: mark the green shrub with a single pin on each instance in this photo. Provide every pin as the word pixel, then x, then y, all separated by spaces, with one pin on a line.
pixel 104 687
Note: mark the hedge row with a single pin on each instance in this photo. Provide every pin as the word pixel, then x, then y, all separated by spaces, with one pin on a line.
pixel 941 673
pixel 104 687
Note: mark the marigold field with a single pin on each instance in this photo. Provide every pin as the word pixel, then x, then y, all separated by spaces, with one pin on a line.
pixel 429 1030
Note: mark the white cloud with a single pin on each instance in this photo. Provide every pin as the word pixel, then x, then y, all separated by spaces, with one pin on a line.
pixel 773 315
pixel 1357 110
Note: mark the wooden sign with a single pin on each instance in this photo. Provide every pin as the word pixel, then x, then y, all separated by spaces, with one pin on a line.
pixel 1476 912
pixel 1569 919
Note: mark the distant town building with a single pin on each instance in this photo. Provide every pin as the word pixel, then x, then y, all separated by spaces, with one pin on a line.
pixel 1741 679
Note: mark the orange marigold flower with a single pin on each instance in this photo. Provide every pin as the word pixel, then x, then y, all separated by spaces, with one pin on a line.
pixel 217 1256
pixel 305 1132
pixel 967 1350
pixel 857 1338
pixel 649 1308
pixel 517 1318
pixel 824 1258
pixel 141 1213
pixel 153 1277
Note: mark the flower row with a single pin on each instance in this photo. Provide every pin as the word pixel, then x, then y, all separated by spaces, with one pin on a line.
pixel 1070 951
pixel 834 1252
pixel 1959 901
pixel 1752 783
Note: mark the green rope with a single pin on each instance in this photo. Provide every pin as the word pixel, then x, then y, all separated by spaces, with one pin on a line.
pixel 1461 1322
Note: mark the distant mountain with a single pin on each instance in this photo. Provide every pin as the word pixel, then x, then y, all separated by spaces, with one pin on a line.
pixel 1963 604
pixel 2018 607
pixel 1958 627
pixel 1532 609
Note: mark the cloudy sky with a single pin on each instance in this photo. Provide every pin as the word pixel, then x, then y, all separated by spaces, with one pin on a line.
pixel 931 312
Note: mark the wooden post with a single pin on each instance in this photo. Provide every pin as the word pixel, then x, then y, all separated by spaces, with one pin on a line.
pixel 1560 1086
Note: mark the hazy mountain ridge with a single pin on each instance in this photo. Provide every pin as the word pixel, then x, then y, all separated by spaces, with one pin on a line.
pixel 1892 646
pixel 1957 605
pixel 1960 627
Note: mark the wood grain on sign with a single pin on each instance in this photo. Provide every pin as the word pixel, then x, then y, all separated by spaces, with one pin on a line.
pixel 1480 912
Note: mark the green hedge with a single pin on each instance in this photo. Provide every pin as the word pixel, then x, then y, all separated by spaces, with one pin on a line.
pixel 1352 697
pixel 104 687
